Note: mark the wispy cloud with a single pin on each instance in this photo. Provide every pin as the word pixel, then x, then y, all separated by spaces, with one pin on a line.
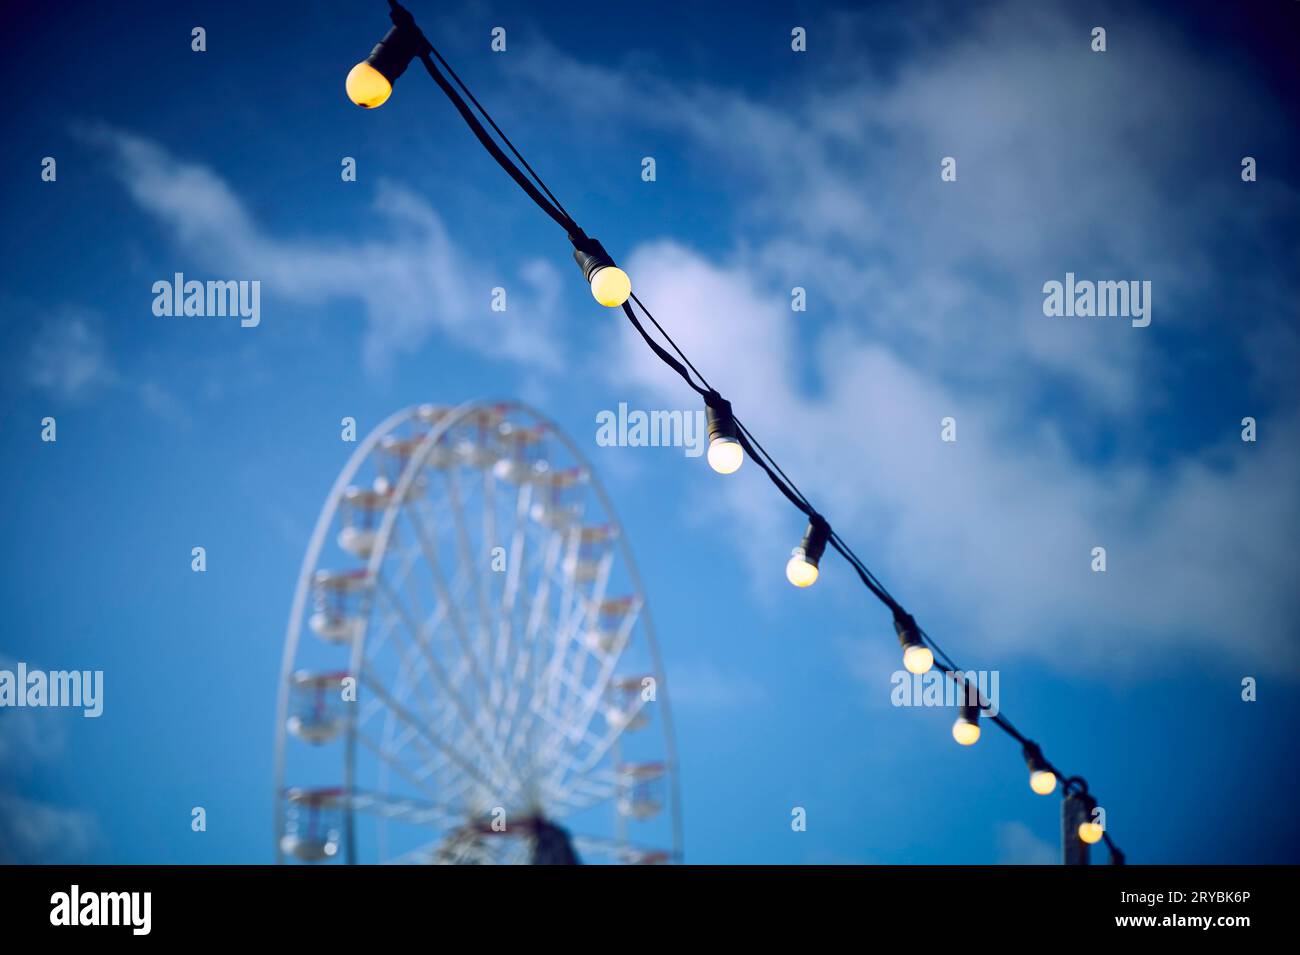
pixel 927 303
pixel 402 266
pixel 837 188
pixel 34 831
pixel 70 360
pixel 1002 522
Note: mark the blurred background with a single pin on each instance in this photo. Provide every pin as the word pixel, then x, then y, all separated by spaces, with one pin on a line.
pixel 774 169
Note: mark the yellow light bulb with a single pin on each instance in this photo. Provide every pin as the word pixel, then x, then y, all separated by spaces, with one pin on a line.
pixel 965 732
pixel 1090 832
pixel 1042 782
pixel 725 455
pixel 610 286
pixel 918 659
pixel 368 87
pixel 799 571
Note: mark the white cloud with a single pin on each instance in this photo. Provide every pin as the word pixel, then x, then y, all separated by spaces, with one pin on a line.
pixel 929 313
pixel 35 833
pixel 838 188
pixel 1001 523
pixel 31 831
pixel 69 359
pixel 402 267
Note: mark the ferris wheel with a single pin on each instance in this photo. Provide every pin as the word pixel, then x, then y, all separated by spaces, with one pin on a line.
pixel 470 673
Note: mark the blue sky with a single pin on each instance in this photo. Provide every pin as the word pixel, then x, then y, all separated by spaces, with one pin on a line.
pixel 774 169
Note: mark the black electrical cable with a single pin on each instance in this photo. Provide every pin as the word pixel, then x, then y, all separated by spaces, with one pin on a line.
pixel 400 12
pixel 658 349
pixel 490 145
pixel 802 505
pixel 680 354
pixel 549 204
pixel 504 138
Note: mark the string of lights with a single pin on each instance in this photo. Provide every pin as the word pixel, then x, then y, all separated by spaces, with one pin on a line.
pixel 370 84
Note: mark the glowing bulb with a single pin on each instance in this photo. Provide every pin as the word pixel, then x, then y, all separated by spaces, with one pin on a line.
pixel 368 87
pixel 610 286
pixel 918 659
pixel 799 570
pixel 1090 832
pixel 966 730
pixel 725 455
pixel 1043 782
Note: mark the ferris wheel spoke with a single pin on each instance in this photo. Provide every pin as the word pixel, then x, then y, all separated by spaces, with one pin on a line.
pixel 564 772
pixel 563 634
pixel 590 701
pixel 377 637
pixel 436 669
pixel 417 778
pixel 420 855
pixel 398 733
pixel 507 648
pixel 521 724
pixel 416 674
pixel 570 769
pixel 587 619
pixel 559 683
pixel 486 578
pixel 575 723
pixel 500 619
pixel 474 565
pixel 600 783
pixel 491 785
pixel 396 736
pixel 581 619
pixel 371 707
pixel 445 608
pixel 451 781
pixel 532 606
pixel 572 801
pixel 564 673
pixel 436 775
pixel 440 584
pixel 413 811
pixel 388 620
pixel 468 852
pixel 411 676
pixel 403 582
pixel 368 709
pixel 446 850
pixel 602 745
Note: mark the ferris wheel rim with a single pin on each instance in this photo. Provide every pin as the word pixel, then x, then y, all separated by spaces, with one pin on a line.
pixel 416 465
pixel 324 520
